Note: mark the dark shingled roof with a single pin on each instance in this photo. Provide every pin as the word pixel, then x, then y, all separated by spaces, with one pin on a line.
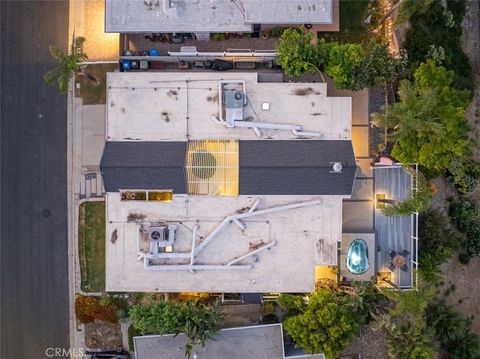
pixel 144 165
pixel 296 167
pixel 266 167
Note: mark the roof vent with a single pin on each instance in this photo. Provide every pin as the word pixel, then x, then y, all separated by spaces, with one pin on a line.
pixel 234 103
pixel 337 167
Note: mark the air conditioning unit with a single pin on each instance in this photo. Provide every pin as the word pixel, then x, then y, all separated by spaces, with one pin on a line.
pixel 162 236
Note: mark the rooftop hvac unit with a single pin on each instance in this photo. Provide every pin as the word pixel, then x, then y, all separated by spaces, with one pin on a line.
pixel 162 236
pixel 233 101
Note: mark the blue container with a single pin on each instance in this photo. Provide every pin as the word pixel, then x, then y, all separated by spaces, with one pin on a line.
pixel 357 257
pixel 153 52
pixel 126 64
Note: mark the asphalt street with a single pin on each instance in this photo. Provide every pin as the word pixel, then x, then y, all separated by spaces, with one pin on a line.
pixel 33 159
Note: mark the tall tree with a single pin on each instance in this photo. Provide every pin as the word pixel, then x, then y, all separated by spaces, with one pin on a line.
pixel 428 124
pixel 296 54
pixel 69 64
pixel 417 201
pixel 344 65
pixel 325 326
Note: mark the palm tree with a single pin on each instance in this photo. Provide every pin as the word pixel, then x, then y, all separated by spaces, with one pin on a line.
pixel 69 64
pixel 417 201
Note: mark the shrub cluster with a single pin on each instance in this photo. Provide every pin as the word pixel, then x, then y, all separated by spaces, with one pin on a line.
pixel 351 66
pixel 453 332
pixel 90 308
pixel 465 214
pixel 437 243
pixel 441 28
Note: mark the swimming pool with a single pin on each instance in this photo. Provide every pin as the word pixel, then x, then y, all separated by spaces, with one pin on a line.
pixel 357 257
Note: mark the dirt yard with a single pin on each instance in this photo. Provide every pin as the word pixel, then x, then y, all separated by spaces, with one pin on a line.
pixel 471 46
pixel 465 293
pixel 370 344
pixel 465 296
pixel 103 336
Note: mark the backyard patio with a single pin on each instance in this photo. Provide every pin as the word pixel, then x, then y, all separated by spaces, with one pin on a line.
pixel 397 236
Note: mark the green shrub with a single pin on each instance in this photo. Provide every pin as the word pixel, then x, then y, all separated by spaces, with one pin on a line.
pixel 106 308
pixel 292 304
pixel 453 332
pixel 218 36
pixel 198 321
pixel 326 325
pixel 408 8
pixel 464 176
pixel 434 29
pixel 464 213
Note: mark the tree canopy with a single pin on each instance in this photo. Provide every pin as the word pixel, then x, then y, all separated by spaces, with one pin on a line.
pixel 295 52
pixel 428 125
pixel 196 320
pixel 351 66
pixel 417 201
pixel 68 64
pixel 408 335
pixel 325 326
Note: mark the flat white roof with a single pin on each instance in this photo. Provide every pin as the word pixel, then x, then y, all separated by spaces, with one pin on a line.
pixel 176 106
pixel 174 16
pixel 304 237
pixel 212 15
pixel 288 11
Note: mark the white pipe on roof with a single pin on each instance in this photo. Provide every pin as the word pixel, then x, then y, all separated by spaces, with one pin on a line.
pixel 270 126
pixel 229 219
pixel 239 224
pixel 194 237
pixel 254 205
pixel 251 253
pixel 195 267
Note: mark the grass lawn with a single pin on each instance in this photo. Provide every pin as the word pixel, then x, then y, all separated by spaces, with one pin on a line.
pixel 132 332
pixel 91 246
pixel 352 29
pixel 89 91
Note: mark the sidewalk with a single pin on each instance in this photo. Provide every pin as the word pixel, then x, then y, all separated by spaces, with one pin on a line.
pixel 89 17
pixel 85 140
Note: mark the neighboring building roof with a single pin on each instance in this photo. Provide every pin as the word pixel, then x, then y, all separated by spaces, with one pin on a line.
pixel 212 15
pixel 259 342
pixel 288 11
pixel 266 167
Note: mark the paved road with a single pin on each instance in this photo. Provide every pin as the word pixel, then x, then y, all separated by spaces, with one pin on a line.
pixel 33 268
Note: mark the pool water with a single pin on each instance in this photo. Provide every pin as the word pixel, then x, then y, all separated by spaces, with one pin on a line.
pixel 357 257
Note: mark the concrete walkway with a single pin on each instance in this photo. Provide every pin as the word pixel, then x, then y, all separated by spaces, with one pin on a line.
pixel 358 212
pixel 88 20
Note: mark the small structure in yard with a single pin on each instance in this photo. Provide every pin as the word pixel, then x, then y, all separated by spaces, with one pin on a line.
pixel 259 342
